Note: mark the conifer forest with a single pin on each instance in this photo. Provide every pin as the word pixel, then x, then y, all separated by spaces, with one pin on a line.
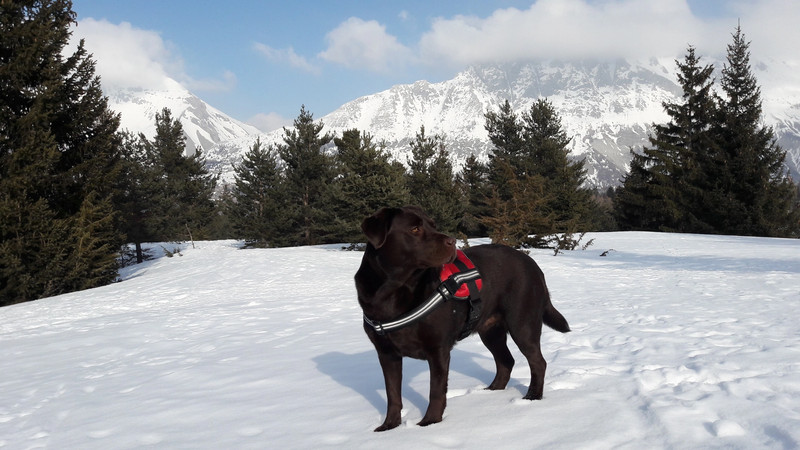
pixel 79 196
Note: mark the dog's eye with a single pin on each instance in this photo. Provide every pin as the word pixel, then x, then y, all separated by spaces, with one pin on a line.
pixel 416 230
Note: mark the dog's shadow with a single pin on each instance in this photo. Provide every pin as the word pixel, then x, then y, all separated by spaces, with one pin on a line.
pixel 362 373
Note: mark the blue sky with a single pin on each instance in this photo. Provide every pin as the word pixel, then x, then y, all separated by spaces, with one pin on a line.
pixel 259 61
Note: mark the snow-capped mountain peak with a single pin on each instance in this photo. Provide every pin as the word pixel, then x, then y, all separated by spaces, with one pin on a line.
pixel 204 126
pixel 606 107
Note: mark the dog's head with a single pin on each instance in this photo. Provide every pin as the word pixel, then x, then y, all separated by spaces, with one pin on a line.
pixel 406 237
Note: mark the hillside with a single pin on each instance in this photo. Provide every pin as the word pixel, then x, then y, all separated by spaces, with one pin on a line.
pixel 678 341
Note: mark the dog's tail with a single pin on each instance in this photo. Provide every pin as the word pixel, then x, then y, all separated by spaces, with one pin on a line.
pixel 553 319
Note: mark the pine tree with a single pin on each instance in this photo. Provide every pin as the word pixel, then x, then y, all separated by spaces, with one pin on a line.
pixel 473 181
pixel 368 181
pixel 504 132
pixel 669 182
pixel 182 202
pixel 547 155
pixel 58 158
pixel 221 225
pixel 309 173
pixel 760 197
pixel 531 174
pixel 431 182
pixel 505 135
pixel 90 243
pixel 136 189
pixel 257 198
pixel 520 217
pixel 637 206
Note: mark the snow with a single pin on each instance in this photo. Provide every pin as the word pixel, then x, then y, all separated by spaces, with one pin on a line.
pixel 678 341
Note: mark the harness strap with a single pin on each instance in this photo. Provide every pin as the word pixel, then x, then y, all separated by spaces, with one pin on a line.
pixel 475 304
pixel 445 291
pixel 410 317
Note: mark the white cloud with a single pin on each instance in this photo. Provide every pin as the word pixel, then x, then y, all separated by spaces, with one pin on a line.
pixel 269 121
pixel 566 29
pixel 129 57
pixel 287 55
pixel 360 44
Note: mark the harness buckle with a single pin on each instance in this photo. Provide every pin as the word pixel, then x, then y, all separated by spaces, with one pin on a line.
pixel 447 288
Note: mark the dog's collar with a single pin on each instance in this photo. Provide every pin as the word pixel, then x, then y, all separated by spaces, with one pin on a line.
pixel 461 280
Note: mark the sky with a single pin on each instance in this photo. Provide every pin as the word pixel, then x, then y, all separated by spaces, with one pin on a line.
pixel 259 62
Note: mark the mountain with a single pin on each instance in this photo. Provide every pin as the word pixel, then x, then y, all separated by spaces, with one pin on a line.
pixel 607 108
pixel 204 126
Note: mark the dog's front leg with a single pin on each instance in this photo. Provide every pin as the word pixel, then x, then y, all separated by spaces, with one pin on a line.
pixel 439 363
pixel 392 366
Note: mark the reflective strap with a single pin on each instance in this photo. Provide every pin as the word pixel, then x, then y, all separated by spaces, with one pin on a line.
pixel 445 291
pixel 408 318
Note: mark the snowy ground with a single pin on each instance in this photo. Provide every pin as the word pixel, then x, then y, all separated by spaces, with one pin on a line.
pixel 679 341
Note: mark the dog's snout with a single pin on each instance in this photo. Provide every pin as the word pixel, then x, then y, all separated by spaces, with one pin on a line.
pixel 450 241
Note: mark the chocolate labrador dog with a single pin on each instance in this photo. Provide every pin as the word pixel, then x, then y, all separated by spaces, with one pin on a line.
pixel 400 270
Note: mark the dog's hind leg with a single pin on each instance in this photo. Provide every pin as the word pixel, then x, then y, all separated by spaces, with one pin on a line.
pixel 527 339
pixel 494 339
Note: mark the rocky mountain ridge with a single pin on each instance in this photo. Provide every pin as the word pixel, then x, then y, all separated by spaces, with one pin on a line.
pixel 607 108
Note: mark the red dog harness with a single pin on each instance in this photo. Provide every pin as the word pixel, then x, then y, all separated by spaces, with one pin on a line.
pixel 461 281
pixel 461 264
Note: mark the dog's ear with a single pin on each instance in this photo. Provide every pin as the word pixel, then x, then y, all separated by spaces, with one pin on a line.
pixel 376 226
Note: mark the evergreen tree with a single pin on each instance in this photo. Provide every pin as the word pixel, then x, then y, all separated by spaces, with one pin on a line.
pixel 714 167
pixel 547 155
pixel 603 211
pixel 530 173
pixel 505 135
pixel 90 243
pixel 182 202
pixel 637 205
pixel 669 182
pixel 136 190
pixel 58 158
pixel 473 181
pixel 431 183
pixel 520 217
pixel 221 225
pixel 309 174
pixel 368 181
pixel 759 196
pixel 257 199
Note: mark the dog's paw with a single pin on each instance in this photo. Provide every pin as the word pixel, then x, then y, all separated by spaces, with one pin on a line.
pixel 429 421
pixel 388 425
